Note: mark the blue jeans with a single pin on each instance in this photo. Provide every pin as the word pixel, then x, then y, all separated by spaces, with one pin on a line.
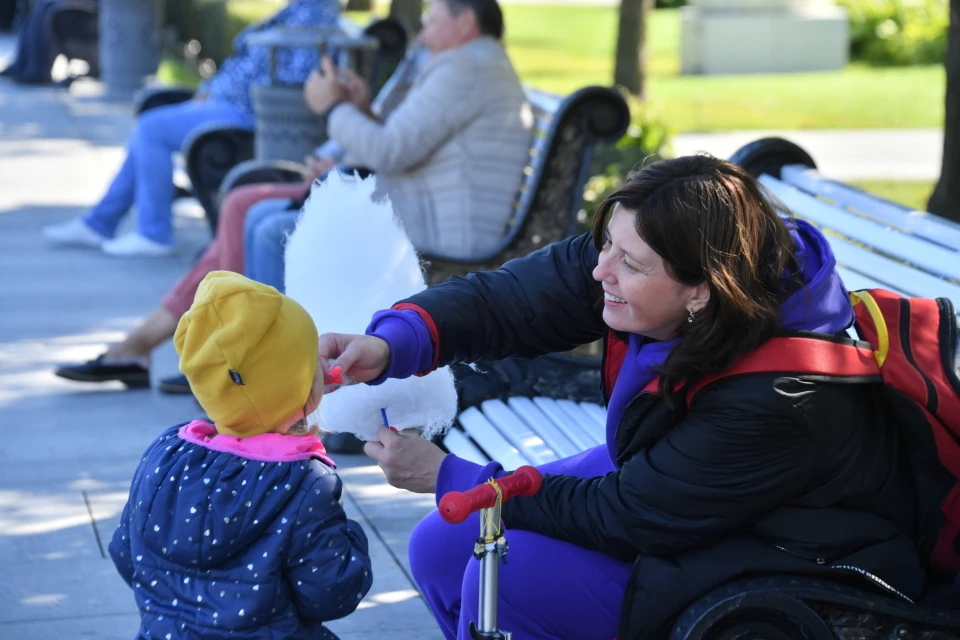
pixel 265 233
pixel 146 177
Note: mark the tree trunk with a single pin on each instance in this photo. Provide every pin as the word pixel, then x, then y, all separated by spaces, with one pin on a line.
pixel 632 46
pixel 408 13
pixel 359 5
pixel 945 200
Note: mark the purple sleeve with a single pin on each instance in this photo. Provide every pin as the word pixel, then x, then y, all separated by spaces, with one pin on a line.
pixel 411 349
pixel 457 474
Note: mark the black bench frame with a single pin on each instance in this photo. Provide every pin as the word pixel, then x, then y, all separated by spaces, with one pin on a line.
pixel 73 29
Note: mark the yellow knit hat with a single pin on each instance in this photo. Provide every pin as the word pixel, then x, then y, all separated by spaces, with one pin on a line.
pixel 249 353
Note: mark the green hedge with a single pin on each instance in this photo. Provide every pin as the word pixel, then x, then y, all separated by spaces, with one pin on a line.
pixel 215 23
pixel 897 32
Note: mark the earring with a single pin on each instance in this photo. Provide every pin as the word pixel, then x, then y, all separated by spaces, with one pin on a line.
pixel 691 317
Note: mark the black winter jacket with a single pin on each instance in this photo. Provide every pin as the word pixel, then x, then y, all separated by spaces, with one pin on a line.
pixel 763 474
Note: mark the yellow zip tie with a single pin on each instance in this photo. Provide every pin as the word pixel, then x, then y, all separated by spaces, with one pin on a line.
pixel 490 520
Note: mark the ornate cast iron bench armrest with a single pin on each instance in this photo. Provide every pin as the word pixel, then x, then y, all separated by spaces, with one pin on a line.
pixel 210 152
pixel 73 30
pixel 160 96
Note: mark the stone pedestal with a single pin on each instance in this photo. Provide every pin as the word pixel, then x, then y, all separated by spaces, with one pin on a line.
pixel 129 44
pixel 762 36
pixel 286 127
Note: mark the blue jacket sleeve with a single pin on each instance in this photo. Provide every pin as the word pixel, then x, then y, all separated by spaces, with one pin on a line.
pixel 120 547
pixel 544 302
pixel 329 563
pixel 249 66
pixel 295 65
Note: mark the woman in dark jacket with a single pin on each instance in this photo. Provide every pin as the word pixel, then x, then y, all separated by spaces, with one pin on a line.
pixel 755 474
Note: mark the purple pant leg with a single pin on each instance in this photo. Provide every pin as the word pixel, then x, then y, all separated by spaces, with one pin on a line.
pixel 551 590
pixel 548 588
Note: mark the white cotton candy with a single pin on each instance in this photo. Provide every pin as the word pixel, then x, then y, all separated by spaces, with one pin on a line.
pixel 347 259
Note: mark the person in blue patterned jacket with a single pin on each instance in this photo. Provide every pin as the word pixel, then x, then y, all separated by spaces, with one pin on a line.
pixel 234 527
pixel 146 177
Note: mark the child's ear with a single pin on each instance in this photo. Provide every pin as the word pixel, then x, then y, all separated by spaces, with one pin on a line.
pixel 316 394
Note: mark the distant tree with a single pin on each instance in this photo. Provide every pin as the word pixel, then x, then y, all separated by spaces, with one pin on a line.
pixel 359 5
pixel 945 200
pixel 630 69
pixel 408 13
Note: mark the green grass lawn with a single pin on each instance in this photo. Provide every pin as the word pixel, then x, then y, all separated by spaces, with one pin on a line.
pixel 913 194
pixel 562 48
pixel 565 47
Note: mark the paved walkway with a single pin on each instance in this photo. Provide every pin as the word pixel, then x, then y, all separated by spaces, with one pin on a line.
pixel 68 450
pixel 868 154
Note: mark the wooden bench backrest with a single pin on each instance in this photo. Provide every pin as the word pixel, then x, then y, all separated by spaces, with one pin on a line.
pixel 920 223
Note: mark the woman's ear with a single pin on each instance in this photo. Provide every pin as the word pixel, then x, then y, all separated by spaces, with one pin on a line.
pixel 699 298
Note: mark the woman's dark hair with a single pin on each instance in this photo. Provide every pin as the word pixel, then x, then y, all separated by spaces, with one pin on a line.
pixel 712 222
pixel 489 15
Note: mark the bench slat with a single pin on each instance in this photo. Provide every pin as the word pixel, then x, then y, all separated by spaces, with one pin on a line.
pixel 538 421
pixel 492 441
pixel 460 445
pixel 855 281
pixel 542 122
pixel 921 223
pixel 519 433
pixel 583 420
pixel 542 101
pixel 553 409
pixel 595 411
pixel 567 425
pixel 895 275
pixel 911 249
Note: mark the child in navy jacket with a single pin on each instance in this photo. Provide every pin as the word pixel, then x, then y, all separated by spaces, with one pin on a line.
pixel 235 528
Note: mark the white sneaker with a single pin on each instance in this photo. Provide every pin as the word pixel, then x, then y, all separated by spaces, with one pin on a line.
pixel 134 245
pixel 73 233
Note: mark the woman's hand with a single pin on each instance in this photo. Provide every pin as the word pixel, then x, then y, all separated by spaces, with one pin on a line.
pixel 409 462
pixel 357 90
pixel 362 358
pixel 322 89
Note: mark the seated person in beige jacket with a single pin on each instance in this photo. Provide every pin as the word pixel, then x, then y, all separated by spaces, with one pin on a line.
pixel 451 154
pixel 450 151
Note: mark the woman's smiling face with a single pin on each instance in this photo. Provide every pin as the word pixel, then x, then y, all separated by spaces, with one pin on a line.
pixel 640 296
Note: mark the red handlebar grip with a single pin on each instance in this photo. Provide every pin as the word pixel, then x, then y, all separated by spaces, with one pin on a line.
pixel 456 505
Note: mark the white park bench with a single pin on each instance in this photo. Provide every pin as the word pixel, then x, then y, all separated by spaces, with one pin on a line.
pixel 878 244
